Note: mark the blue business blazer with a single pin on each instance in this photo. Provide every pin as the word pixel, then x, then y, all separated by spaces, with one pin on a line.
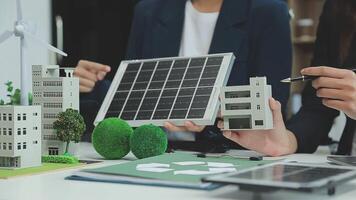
pixel 256 31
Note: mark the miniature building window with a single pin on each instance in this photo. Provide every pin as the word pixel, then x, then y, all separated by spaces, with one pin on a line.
pixel 10 146
pixel 50 116
pixel 24 145
pixel 52 83
pixel 10 131
pixel 35 142
pixel 36 83
pixel 35 114
pixel 24 116
pixel 242 122
pixel 48 126
pixel 257 83
pixel 4 131
pixel 258 95
pixel 19 146
pixel 37 94
pixel 238 106
pixel 0 131
pixel 10 117
pixel 237 94
pixel 19 117
pixel 53 151
pixel 35 128
pixel 52 105
pixel 258 107
pixel 16 161
pixel 4 146
pixel 19 131
pixel 52 94
pixel 4 116
pixel 36 73
pixel 259 122
pixel 50 137
pixel 24 131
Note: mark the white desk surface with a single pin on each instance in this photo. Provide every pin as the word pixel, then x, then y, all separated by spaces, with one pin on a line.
pixel 52 186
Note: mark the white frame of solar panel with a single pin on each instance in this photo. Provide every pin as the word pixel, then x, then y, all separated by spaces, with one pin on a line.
pixel 213 103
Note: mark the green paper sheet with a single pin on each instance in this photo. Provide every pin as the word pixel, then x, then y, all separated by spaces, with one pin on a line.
pixel 129 169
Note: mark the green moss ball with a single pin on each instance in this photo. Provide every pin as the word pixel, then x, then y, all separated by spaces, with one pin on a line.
pixel 111 138
pixel 147 141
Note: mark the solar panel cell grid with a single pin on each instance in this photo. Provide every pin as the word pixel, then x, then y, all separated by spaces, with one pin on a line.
pixel 162 89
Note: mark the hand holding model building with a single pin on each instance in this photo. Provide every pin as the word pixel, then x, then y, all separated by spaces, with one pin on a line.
pixel 275 142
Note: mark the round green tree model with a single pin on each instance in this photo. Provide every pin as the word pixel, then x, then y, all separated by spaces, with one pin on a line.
pixel 111 138
pixel 148 141
pixel 69 126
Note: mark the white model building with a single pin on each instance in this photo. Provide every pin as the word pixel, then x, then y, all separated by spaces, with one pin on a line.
pixel 55 94
pixel 20 136
pixel 247 107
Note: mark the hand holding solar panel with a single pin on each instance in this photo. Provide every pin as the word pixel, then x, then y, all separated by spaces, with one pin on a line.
pixel 176 90
pixel 188 127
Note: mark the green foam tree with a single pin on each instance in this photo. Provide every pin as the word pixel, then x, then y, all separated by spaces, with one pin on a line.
pixel 148 141
pixel 69 126
pixel 111 138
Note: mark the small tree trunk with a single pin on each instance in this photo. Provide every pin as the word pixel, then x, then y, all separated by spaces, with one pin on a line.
pixel 67 146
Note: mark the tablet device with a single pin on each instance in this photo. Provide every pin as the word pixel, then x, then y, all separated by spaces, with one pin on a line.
pixel 343 160
pixel 290 176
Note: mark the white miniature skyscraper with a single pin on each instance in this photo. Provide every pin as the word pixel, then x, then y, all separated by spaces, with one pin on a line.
pixel 20 136
pixel 55 94
pixel 247 107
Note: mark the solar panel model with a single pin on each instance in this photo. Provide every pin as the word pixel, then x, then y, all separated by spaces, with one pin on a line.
pixel 154 91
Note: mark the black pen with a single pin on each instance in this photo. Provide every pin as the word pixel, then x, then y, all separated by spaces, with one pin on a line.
pixel 210 155
pixel 303 78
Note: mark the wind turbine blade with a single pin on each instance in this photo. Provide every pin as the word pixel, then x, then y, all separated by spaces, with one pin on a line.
pixel 45 44
pixel 6 35
pixel 19 10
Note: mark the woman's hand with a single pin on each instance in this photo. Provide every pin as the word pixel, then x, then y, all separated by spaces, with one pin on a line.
pixel 275 142
pixel 336 87
pixel 188 127
pixel 89 73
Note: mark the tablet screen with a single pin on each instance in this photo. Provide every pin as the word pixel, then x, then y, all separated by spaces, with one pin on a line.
pixel 288 176
pixel 290 173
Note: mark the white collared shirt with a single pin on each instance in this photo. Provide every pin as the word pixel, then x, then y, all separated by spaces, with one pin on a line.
pixel 198 31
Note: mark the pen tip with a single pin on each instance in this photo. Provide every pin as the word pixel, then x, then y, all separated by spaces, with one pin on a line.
pixel 287 80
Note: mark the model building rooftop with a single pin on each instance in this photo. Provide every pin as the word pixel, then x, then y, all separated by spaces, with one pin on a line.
pixel 51 71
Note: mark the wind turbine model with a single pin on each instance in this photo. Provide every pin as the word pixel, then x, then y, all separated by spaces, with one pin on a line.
pixel 22 30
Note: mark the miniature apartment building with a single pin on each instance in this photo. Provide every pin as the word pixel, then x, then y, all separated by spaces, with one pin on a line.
pixel 55 93
pixel 20 136
pixel 247 107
